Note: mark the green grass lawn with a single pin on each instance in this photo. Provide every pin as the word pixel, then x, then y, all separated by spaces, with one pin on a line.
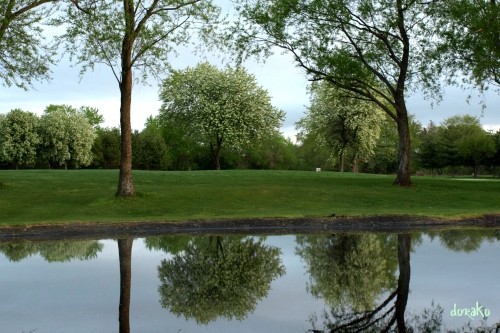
pixel 55 196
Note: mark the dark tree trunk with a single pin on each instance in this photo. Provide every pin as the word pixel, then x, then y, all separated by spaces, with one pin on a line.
pixel 125 183
pixel 403 177
pixel 217 154
pixel 125 254
pixel 342 160
pixel 404 244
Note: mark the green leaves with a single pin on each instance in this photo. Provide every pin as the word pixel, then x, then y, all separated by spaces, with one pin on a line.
pixel 218 276
pixel 25 56
pixel 96 31
pixel 19 138
pixel 347 126
pixel 66 136
pixel 219 107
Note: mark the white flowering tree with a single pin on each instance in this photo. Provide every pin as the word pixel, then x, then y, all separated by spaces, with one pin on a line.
pixel 346 125
pixel 19 138
pixel 66 137
pixel 219 107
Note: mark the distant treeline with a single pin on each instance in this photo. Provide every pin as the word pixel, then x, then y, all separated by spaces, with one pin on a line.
pixel 64 137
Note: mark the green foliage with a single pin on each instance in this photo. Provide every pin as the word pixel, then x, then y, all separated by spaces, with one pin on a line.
pixel 150 150
pixel 168 244
pixel 59 251
pixel 97 31
pixel 465 240
pixel 370 50
pixel 66 137
pixel 466 142
pixel 384 159
pixel 272 152
pixel 218 277
pixel 432 154
pixel 349 271
pixel 19 138
pixel 347 126
pixel 25 56
pixel 218 107
pixel 106 148
pixel 469 43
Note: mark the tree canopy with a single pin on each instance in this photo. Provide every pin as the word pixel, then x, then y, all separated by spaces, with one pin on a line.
pixel 218 107
pixel 372 50
pixel 66 136
pixel 218 276
pixel 469 44
pixel 19 138
pixel 134 38
pixel 25 55
pixel 344 125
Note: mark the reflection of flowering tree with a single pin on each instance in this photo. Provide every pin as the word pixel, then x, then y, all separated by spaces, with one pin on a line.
pixel 218 276
pixel 348 271
pixel 389 315
pixel 54 251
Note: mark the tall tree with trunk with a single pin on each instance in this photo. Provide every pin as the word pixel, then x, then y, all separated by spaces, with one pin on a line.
pixel 344 125
pixel 134 38
pixel 24 55
pixel 369 49
pixel 219 107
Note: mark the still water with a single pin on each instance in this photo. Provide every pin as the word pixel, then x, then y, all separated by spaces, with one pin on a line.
pixel 423 282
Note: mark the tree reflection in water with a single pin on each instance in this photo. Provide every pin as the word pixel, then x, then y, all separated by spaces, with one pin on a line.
pixel 53 251
pixel 225 276
pixel 218 276
pixel 344 264
pixel 125 255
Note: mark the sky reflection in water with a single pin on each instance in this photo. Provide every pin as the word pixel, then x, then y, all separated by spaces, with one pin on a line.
pixel 249 284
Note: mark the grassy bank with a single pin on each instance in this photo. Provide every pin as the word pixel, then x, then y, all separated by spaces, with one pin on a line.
pixel 47 196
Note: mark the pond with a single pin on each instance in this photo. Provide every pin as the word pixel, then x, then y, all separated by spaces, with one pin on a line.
pixel 331 282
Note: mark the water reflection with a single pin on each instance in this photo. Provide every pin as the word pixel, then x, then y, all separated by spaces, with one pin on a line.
pixel 58 251
pixel 351 271
pixel 362 280
pixel 218 276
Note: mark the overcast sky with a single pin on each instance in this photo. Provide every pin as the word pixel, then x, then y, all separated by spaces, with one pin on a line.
pixel 286 84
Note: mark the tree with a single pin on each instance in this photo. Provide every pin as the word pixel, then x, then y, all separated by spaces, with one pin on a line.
pixel 343 124
pixel 384 316
pixel 24 56
pixel 432 150
pixel 466 141
pixel 496 157
pixel 368 49
pixel 348 271
pixel 218 276
pixel 106 148
pixel 92 114
pixel 271 152
pixel 219 107
pixel 476 148
pixel 133 38
pixel 150 150
pixel 66 137
pixel 469 44
pixel 54 251
pixel 384 159
pixel 19 138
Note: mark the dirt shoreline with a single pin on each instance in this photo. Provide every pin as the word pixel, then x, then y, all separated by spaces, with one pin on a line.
pixel 274 226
